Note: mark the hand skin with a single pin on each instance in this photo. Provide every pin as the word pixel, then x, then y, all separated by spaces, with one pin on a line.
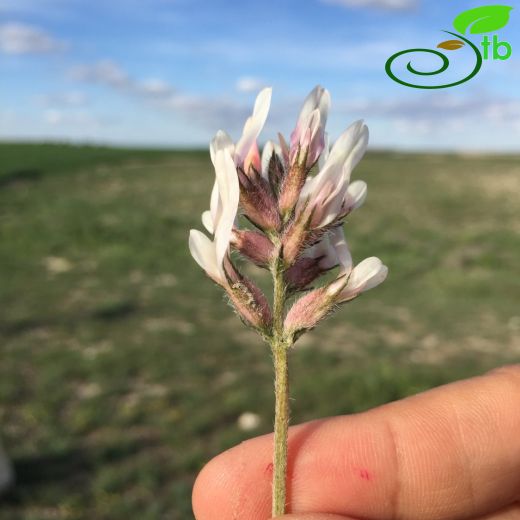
pixel 447 454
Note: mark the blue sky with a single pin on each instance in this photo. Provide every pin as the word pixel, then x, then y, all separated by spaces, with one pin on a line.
pixel 172 72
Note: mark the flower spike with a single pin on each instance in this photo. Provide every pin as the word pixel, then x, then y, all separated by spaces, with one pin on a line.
pixel 298 215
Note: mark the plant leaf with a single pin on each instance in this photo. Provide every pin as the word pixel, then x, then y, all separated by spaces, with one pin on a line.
pixel 451 45
pixel 487 18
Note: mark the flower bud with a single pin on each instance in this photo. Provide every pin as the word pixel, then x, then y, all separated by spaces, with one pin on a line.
pixel 247 299
pixel 303 272
pixel 365 276
pixel 308 138
pixel 253 245
pixel 309 310
pixel 273 168
pixel 308 141
pixel 316 261
pixel 295 238
pixel 291 188
pixel 258 201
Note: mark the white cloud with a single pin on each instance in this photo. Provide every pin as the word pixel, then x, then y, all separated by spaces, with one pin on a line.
pixel 64 99
pixel 104 72
pixel 209 112
pixel 56 117
pixel 155 87
pixel 377 4
pixel 435 113
pixel 18 38
pixel 249 84
pixel 109 73
pixel 319 55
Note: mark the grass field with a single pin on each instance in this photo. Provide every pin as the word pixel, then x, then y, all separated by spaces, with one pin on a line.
pixel 122 371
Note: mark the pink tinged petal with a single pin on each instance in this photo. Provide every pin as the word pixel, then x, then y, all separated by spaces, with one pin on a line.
pixel 324 106
pixel 253 126
pixel 326 197
pixel 229 192
pixel 307 141
pixel 345 144
pixel 207 221
pixel 365 276
pixel 310 121
pixel 325 152
pixel 252 159
pixel 345 196
pixel 202 249
pixel 332 172
pixel 329 187
pixel 333 168
pixel 355 196
pixel 324 185
pixel 318 99
pixel 317 138
pixel 328 210
pixel 310 103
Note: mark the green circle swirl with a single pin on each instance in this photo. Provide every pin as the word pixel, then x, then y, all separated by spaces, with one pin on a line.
pixel 442 68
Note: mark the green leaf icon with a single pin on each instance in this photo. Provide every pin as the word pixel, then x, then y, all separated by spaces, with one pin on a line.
pixel 487 18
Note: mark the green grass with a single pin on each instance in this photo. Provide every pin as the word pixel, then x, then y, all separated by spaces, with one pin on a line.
pixel 122 371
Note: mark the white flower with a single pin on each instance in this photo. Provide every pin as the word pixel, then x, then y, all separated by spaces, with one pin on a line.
pixel 219 220
pixel 244 153
pixel 309 134
pixel 246 150
pixel 365 276
pixel 329 195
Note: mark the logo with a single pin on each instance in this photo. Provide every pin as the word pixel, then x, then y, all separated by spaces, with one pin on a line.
pixel 480 20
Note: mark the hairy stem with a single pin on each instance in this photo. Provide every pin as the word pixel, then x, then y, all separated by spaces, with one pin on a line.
pixel 281 389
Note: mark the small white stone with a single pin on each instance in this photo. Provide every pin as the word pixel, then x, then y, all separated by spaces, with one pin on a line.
pixel 56 264
pixel 89 390
pixel 248 421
